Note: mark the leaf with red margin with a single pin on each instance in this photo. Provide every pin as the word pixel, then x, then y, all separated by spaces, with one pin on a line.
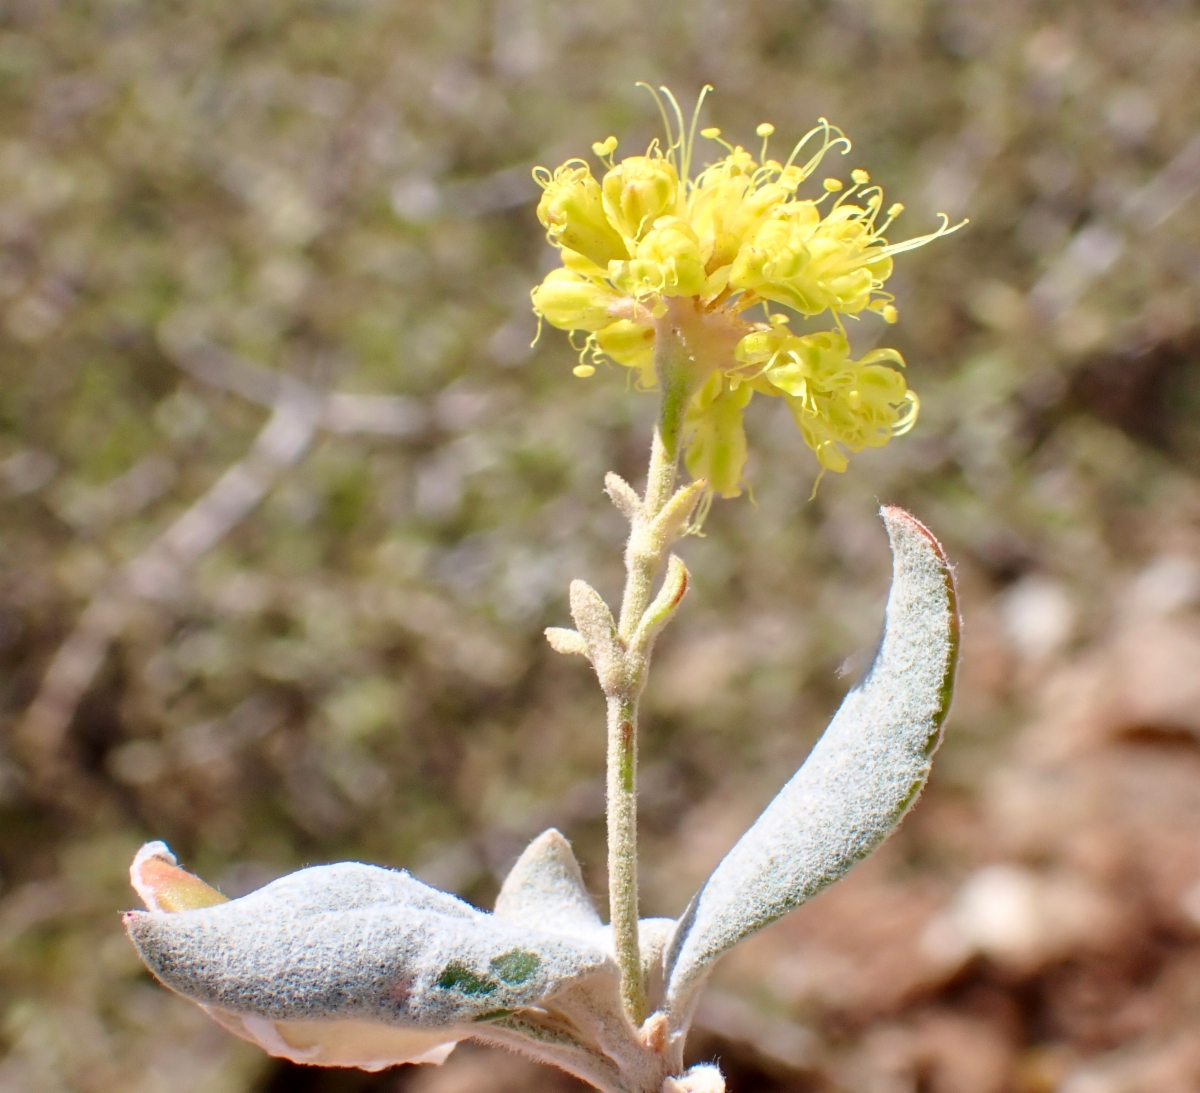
pixel 857 783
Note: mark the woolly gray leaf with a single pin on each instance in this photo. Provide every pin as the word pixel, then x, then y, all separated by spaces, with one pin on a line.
pixel 369 953
pixel 544 890
pixel 858 781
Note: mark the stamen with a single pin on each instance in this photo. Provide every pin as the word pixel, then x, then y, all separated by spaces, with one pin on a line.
pixel 827 144
pixel 713 133
pixel 662 111
pixel 844 197
pixel 770 169
pixel 678 145
pixel 820 474
pixel 909 417
pixel 765 130
pixel 702 511
pixel 685 173
pixel 823 127
pixel 921 240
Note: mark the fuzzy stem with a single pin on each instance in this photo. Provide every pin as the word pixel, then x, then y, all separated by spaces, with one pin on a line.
pixel 622 851
pixel 678 377
pixel 643 560
pixel 643 555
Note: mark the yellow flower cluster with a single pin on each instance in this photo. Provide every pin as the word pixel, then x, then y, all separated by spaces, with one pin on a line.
pixel 649 252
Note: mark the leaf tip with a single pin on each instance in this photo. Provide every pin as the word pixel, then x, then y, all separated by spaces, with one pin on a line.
pixel 163 886
pixel 898 520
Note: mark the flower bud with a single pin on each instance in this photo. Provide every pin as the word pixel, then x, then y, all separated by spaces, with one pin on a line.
pixel 630 344
pixel 585 267
pixel 571 302
pixel 667 262
pixel 637 191
pixel 572 211
pixel 805 363
pixel 627 342
pixel 777 252
pixel 761 345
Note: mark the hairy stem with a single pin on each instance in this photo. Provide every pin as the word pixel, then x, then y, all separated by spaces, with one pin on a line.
pixel 622 851
pixel 620 649
pixel 644 558
pixel 643 554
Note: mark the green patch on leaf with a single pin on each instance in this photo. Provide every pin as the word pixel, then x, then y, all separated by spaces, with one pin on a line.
pixel 516 966
pixel 459 977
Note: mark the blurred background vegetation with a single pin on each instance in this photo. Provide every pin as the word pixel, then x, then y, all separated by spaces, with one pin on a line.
pixel 218 218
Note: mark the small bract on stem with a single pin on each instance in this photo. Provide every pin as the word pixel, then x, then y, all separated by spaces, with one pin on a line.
pixel 353 965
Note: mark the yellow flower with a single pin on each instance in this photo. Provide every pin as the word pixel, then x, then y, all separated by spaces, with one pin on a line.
pixel 638 191
pixel 654 256
pixel 810 263
pixel 666 262
pixel 570 301
pixel 840 404
pixel 572 212
pixel 630 344
pixel 716 449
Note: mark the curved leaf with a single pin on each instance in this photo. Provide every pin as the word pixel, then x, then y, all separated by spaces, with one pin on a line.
pixel 857 783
